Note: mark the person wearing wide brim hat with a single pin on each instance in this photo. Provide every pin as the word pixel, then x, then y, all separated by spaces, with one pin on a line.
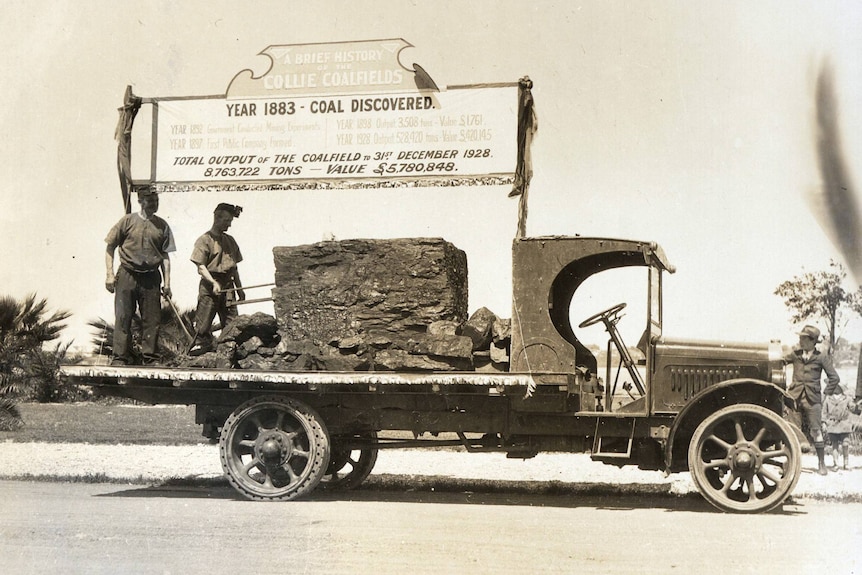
pixel 811 332
pixel 809 364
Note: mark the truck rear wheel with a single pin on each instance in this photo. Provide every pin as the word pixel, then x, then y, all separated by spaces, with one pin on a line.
pixel 348 468
pixel 744 458
pixel 274 448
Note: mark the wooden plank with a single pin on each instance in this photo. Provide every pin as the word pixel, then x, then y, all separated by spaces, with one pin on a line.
pixel 318 378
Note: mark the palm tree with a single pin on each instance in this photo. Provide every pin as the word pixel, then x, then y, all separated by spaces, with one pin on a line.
pixel 24 329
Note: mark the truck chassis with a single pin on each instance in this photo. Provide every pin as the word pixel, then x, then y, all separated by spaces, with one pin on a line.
pixel 282 434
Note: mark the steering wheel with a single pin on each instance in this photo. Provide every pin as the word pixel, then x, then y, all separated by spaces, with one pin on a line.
pixel 594 319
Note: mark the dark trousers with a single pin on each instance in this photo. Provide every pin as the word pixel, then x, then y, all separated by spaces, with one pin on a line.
pixel 141 291
pixel 807 417
pixel 209 305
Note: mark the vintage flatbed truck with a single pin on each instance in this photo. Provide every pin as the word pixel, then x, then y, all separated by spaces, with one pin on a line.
pixel 711 408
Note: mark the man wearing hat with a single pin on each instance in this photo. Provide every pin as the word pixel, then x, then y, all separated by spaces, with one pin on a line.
pixel 216 255
pixel 143 241
pixel 808 366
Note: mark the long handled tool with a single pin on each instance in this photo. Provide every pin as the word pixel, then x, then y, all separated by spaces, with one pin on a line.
pixel 245 301
pixel 247 287
pixel 180 319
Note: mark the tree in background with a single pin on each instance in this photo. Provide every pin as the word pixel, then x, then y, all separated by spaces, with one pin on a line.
pixel 821 295
pixel 26 368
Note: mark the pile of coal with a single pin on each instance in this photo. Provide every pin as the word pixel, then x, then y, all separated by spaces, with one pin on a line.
pixel 492 340
pixel 340 289
pixel 359 305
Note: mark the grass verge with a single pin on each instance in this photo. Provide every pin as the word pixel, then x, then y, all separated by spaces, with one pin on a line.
pixel 101 423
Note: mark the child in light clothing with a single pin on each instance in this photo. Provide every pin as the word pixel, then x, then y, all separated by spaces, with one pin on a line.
pixel 837 408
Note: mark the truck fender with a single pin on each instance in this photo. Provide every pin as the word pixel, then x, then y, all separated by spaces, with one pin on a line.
pixel 710 400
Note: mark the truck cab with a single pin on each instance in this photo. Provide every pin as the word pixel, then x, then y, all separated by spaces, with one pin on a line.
pixel 547 272
pixel 653 376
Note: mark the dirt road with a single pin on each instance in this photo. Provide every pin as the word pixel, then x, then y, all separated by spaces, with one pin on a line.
pixel 98 528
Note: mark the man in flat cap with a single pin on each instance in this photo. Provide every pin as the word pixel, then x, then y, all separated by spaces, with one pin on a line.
pixel 808 366
pixel 216 255
pixel 143 241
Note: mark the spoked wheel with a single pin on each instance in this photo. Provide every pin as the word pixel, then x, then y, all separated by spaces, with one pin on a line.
pixel 274 449
pixel 744 458
pixel 348 468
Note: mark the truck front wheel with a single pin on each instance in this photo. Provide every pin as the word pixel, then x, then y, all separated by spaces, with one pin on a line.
pixel 744 458
pixel 274 448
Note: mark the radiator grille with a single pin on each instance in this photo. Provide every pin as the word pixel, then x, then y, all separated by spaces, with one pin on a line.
pixel 690 380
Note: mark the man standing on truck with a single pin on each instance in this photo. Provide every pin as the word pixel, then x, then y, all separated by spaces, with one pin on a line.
pixel 808 366
pixel 216 255
pixel 144 241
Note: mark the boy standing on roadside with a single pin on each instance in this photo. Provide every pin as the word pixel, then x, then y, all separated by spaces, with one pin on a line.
pixel 837 408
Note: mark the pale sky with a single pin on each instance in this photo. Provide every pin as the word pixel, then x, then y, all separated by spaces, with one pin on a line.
pixel 686 123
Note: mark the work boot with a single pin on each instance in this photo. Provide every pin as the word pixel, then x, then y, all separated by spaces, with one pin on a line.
pixel 201 345
pixel 821 463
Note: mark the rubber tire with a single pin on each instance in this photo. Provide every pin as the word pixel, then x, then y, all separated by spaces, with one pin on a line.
pixel 711 482
pixel 289 421
pixel 361 463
